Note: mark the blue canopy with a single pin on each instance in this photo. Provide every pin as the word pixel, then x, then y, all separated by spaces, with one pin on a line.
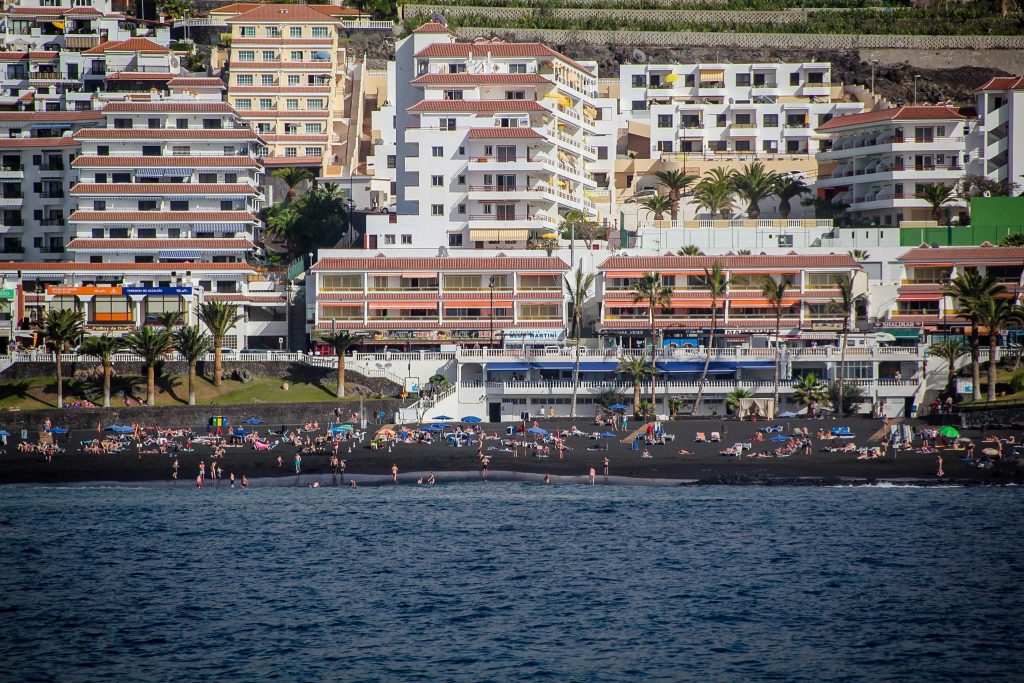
pixel 609 435
pixel 507 367
pixel 537 430
pixel 58 430
pixel 472 419
pixel 619 406
pixel 442 417
pixel 4 432
pixel 254 421
pixel 780 438
pixel 554 365
pixel 240 432
pixel 598 366
pixel 120 429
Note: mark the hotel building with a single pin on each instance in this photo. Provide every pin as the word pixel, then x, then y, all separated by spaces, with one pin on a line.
pixel 996 150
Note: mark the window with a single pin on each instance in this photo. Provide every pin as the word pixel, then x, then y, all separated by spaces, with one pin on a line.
pixel 389 239
pixel 639 81
pixel 770 121
pixel 103 150
pixel 291 129
pixel 246 56
pixel 315 104
pixel 721 120
pixel 226 205
pixel 785 240
pixel 208 178
pixel 153 123
pixel 295 32
pixel 602 152
pixel 264 127
pixel 179 205
pixel 456 68
pixel 296 55
pixel 638 105
pixel 461 180
pixel 392 161
pixel 243 104
pixel 181 124
pixel 319 31
pixel 231 178
pixel 437 209
pixel 149 205
pixel 816 77
pixel 517 68
pixel 447 124
pixel 111 309
pixel 151 150
pixel 267 80
pixel 99 205
pixel 291 151
pixel 291 104
pixel 437 181
pixel 314 151
pixel 515 94
pixel 243 80
pixel 273 32
pixel 437 151
pixel 314 128
pixel 665 120
pixel 794 79
pixel 293 79
pixel 742 80
pixel 269 56
pixel 461 209
pixel 453 94
pixel 406 239
pixel 664 145
pixel 454 240
pixel 743 146
pixel 247 31
pixel 266 103
pixel 155 305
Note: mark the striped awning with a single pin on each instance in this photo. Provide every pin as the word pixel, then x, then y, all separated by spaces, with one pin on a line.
pixel 498 234
pixel 189 254
pixel 710 75
pixel 164 172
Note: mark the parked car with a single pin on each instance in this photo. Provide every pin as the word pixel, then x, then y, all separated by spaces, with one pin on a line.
pixel 256 352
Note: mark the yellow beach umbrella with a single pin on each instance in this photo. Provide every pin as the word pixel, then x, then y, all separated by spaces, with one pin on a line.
pixel 671 78
pixel 549 236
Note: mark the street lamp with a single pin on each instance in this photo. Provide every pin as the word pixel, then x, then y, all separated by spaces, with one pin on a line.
pixel 874 62
pixel 916 76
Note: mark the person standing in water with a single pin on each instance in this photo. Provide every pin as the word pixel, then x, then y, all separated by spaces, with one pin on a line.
pixel 593 475
pixel 298 464
pixel 245 482
pixel 232 476
pixel 547 478
pixel 938 462
pixel 394 473
pixel 606 464
pixel 175 466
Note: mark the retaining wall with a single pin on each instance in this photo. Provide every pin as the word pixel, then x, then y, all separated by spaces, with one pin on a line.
pixel 780 17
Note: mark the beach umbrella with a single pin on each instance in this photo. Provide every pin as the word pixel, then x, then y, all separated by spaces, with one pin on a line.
pixel 609 435
pixel 240 432
pixel 431 428
pixel 780 438
pixel 472 419
pixel 442 417
pixel 254 421
pixel 120 429
pixel 4 432
pixel 618 406
pixel 345 428
pixel 58 430
pixel 949 432
pixel 386 432
pixel 990 451
pixel 537 430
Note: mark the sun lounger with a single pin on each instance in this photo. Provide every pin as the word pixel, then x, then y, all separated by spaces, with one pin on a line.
pixel 715 436
pixel 700 438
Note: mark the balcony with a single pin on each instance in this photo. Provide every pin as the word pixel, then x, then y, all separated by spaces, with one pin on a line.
pixel 81 42
pixel 12 173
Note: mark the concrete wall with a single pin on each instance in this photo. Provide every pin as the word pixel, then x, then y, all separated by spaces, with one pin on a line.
pixel 780 17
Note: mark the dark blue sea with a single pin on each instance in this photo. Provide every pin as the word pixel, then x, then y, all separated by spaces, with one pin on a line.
pixel 511 581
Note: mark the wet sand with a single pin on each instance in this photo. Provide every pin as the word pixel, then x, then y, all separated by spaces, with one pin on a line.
pixel 705 466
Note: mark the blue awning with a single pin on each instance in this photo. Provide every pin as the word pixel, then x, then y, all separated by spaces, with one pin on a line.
pixel 555 365
pixel 507 367
pixel 189 254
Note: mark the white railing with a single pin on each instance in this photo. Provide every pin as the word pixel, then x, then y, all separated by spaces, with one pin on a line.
pixel 674 386
pixel 370 24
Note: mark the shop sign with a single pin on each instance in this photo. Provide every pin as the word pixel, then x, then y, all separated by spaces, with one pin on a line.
pixel 109 328
pixel 430 335
pixel 6 293
pixel 535 335
pixel 65 290
pixel 138 291
pixel 826 327
pixel 892 324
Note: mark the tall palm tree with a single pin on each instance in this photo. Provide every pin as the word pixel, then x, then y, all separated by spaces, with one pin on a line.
pixel 219 317
pixel 775 292
pixel 714 193
pixel 846 304
pixel 341 342
pixel 192 343
pixel 292 177
pixel 716 283
pixel 936 194
pixel 578 289
pixel 754 183
pixel 788 188
pixel 169 319
pixel 151 345
pixel 949 350
pixel 675 183
pixel 59 329
pixel 969 289
pixel 103 347
pixel 637 368
pixel 808 390
pixel 658 205
pixel 859 254
pixel 689 250
pixel 997 314
pixel 652 291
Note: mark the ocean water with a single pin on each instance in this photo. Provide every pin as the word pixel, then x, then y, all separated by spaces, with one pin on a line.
pixel 511 582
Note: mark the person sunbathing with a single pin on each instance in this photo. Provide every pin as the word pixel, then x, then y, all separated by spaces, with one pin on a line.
pixel 683 451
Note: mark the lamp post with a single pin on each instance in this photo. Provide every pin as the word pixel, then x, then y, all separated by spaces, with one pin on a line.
pixel 916 76
pixel 874 62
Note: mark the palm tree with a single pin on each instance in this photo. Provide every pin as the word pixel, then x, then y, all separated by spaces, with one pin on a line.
pixel 714 192
pixel 675 182
pixel 292 177
pixel 192 343
pixel 936 194
pixel 637 368
pixel 658 205
pixel 219 317
pixel 103 347
pixel 342 342
pixel 716 283
pixel 754 183
pixel 846 304
pixel 732 399
pixel 59 329
pixel 576 225
pixel 786 189
pixel 859 254
pixel 651 290
pixel 151 345
pixel 689 250
pixel 949 350
pixel 775 292
pixel 969 289
pixel 577 289
pixel 808 390
pixel 997 314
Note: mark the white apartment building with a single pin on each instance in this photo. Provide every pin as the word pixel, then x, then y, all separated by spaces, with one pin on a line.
pixel 878 161
pixel 493 145
pixel 731 110
pixel 996 150
pixel 36 176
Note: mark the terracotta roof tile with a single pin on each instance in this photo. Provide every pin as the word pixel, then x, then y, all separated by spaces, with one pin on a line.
pixel 660 263
pixel 292 161
pixel 1003 83
pixel 18 143
pixel 904 113
pixel 119 267
pixel 501 50
pixel 483 106
pixel 162 217
pixel 165 134
pixel 432 263
pixel 475 133
pixel 51 116
pixel 272 13
pixel 164 162
pixel 186 81
pixel 111 189
pixel 1011 255
pixel 485 79
pixel 138 76
pixel 228 243
pixel 7 56
pixel 169 107
pixel 130 45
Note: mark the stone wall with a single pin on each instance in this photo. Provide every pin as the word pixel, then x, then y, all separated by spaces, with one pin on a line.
pixel 780 17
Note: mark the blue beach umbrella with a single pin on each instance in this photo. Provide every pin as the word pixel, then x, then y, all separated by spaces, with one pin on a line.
pixel 618 406
pixel 780 438
pixel 4 432
pixel 254 421
pixel 537 430
pixel 442 417
pixel 609 435
pixel 58 430
pixel 120 429
pixel 240 432
pixel 472 419
pixel 345 428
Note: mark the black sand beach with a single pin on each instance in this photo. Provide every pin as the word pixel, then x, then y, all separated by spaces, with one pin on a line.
pixel 705 466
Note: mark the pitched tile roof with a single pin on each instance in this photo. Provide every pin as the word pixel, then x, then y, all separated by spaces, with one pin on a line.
pixel 476 133
pixel 170 107
pixel 1013 255
pixel 223 244
pixel 130 45
pixel 438 263
pixel 274 13
pixel 162 217
pixel 164 162
pixel 187 81
pixel 17 143
pixel 903 113
pixel 71 267
pixel 138 76
pixel 165 134
pixel 7 56
pixel 483 106
pixel 434 27
pixel 659 263
pixel 111 189
pixel 292 161
pixel 473 79
pixel 1003 83
pixel 51 116
pixel 501 50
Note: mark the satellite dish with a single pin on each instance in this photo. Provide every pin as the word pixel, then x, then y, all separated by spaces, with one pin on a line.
pixel 439 18
pixel 639 56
